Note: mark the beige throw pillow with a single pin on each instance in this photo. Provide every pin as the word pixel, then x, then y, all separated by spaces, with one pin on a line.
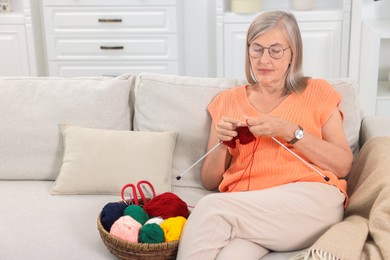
pixel 99 161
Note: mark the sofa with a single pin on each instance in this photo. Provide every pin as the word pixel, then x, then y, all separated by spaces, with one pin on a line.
pixel 68 145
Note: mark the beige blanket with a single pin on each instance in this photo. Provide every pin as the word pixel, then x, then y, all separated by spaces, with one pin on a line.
pixel 365 231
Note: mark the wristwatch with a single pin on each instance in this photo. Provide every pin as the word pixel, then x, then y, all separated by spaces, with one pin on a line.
pixel 298 135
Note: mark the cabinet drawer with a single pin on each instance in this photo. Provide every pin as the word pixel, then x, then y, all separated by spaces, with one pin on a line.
pixel 107 3
pixel 78 69
pixel 161 19
pixel 97 47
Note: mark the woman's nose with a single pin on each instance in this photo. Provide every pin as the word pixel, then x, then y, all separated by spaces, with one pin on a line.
pixel 265 58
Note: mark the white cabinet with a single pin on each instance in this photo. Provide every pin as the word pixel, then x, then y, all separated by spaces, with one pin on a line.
pixel 13 51
pixel 91 38
pixel 17 46
pixel 325 34
pixel 374 95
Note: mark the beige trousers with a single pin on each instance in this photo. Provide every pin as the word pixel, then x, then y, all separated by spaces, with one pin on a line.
pixel 247 225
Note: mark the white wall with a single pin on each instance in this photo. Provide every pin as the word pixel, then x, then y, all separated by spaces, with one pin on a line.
pixel 198 53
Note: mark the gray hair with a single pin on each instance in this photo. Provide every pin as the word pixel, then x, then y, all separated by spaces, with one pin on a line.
pixel 267 21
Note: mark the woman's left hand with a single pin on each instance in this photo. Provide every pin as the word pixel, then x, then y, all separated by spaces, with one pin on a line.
pixel 272 126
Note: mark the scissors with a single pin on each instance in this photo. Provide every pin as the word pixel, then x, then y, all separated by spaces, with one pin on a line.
pixel 134 196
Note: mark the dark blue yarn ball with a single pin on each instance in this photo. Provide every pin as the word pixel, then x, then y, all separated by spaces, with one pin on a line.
pixel 111 212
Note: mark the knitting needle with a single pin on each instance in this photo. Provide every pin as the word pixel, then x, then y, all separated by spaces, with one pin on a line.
pixel 178 177
pixel 304 162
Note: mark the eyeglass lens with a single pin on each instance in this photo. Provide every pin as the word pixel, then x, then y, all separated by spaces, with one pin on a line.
pixel 275 52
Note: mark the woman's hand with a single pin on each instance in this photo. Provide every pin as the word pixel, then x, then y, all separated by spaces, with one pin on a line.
pixel 226 128
pixel 319 151
pixel 216 163
pixel 272 126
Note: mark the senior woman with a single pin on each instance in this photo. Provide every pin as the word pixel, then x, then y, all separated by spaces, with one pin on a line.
pixel 283 190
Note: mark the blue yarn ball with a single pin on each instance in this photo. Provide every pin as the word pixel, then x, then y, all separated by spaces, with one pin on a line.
pixel 111 212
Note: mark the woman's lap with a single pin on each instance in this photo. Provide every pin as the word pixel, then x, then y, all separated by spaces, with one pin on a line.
pixel 283 218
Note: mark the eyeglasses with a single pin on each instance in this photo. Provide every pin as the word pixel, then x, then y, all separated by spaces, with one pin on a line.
pixel 275 51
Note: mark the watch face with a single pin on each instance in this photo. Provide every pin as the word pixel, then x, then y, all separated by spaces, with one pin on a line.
pixel 299 134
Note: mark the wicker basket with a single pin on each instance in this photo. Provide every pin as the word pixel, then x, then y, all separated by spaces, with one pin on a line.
pixel 137 251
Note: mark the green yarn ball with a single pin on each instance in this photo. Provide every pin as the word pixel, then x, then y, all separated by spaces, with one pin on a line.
pixel 137 213
pixel 151 234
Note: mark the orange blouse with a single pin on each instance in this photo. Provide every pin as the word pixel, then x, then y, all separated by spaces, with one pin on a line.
pixel 272 164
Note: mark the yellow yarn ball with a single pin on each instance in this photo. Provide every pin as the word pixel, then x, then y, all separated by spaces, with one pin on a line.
pixel 173 227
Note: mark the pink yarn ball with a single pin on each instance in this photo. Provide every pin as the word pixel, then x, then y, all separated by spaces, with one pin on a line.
pixel 126 228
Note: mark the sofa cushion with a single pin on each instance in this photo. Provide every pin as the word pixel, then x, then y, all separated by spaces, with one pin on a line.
pixel 179 103
pixel 36 225
pixel 351 109
pixel 31 110
pixel 100 161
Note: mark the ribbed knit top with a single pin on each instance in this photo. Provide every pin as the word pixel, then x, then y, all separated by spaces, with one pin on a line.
pixel 272 164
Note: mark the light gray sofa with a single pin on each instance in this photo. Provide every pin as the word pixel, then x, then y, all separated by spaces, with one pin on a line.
pixel 36 224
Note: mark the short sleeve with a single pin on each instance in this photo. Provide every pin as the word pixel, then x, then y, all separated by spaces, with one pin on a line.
pixel 330 100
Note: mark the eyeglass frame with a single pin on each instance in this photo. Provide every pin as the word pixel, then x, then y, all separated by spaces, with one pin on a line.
pixel 268 48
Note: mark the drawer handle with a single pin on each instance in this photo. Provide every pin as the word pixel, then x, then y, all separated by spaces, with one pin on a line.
pixel 111 47
pixel 109 20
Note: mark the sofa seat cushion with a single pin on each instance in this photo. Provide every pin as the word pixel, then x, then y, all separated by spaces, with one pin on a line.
pixel 35 225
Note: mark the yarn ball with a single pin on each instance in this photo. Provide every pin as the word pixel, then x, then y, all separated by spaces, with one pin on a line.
pixel 166 205
pixel 137 213
pixel 155 220
pixel 173 227
pixel 126 228
pixel 151 234
pixel 111 212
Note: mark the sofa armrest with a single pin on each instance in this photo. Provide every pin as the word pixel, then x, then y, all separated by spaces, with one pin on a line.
pixel 373 126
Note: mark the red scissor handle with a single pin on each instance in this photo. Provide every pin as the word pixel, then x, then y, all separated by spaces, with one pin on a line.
pixel 135 197
pixel 141 192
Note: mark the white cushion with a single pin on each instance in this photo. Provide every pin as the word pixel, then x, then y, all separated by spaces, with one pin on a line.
pixel 32 108
pixel 351 109
pixel 102 161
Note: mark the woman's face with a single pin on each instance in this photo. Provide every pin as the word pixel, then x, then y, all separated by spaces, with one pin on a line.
pixel 270 68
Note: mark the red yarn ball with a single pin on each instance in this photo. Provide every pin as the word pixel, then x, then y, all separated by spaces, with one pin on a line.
pixel 166 205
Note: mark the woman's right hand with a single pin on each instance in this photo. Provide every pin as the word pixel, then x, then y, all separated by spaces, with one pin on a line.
pixel 226 128
pixel 216 163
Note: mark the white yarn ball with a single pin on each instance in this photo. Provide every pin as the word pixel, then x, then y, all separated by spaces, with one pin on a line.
pixel 156 220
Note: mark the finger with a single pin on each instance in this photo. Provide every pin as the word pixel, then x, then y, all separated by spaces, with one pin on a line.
pixel 254 121
pixel 228 124
pixel 226 134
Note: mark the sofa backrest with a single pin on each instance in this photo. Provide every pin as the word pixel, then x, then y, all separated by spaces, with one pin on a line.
pixel 32 109
pixel 351 109
pixel 179 103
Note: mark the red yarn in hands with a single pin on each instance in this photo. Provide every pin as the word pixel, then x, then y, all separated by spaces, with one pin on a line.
pixel 243 135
